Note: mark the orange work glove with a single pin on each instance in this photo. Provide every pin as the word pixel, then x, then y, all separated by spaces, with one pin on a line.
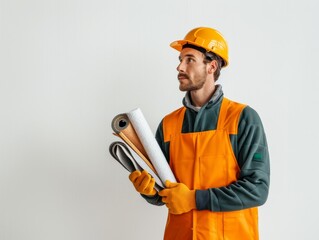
pixel 143 182
pixel 178 198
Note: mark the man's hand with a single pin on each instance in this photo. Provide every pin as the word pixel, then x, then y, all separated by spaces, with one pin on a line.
pixel 178 198
pixel 143 182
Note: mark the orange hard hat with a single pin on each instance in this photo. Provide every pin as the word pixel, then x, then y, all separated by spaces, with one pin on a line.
pixel 208 38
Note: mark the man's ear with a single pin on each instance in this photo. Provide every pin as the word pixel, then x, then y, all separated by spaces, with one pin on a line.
pixel 212 66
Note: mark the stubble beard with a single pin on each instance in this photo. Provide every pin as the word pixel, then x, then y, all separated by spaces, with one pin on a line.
pixel 191 85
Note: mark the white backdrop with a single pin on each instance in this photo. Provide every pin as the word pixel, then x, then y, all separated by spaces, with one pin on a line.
pixel 69 66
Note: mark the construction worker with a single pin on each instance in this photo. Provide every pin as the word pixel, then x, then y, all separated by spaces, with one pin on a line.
pixel 216 148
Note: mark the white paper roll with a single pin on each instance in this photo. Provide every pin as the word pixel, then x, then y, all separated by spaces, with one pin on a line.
pixel 150 144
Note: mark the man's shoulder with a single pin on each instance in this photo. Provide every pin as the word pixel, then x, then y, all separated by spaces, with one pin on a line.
pixel 250 115
pixel 247 110
pixel 175 112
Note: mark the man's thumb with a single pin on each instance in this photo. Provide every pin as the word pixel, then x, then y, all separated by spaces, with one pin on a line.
pixel 169 184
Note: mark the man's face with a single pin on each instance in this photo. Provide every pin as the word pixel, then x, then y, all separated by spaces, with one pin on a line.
pixel 192 71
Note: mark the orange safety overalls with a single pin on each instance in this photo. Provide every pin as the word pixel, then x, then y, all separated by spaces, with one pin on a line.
pixel 203 160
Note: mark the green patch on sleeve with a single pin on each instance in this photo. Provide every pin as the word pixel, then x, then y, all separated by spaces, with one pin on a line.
pixel 257 156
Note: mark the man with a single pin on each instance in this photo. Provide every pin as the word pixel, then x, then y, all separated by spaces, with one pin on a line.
pixel 216 148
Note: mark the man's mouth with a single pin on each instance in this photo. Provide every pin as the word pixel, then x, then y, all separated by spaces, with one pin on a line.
pixel 182 76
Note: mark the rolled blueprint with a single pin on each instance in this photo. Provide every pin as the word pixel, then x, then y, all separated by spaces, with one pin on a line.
pixel 150 145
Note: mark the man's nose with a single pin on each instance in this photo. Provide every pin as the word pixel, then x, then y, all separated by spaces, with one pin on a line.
pixel 180 67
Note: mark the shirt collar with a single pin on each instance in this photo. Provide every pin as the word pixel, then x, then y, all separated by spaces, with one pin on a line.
pixel 216 96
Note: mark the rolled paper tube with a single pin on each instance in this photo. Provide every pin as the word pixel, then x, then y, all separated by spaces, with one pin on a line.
pixel 150 145
pixel 125 139
pixel 121 126
pixel 132 161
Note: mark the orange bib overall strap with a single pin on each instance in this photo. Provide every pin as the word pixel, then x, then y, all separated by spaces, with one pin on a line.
pixel 203 160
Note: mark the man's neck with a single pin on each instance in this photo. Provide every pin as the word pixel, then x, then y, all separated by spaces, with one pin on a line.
pixel 200 97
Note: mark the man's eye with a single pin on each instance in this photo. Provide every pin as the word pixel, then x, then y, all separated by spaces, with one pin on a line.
pixel 189 60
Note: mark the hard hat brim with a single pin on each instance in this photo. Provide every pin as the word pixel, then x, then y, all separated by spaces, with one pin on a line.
pixel 178 45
